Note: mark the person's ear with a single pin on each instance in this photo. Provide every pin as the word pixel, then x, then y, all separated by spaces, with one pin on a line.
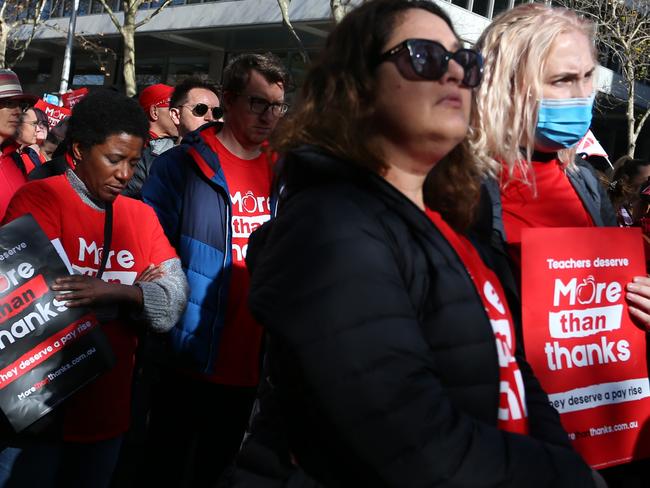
pixel 227 99
pixel 175 115
pixel 77 152
pixel 153 113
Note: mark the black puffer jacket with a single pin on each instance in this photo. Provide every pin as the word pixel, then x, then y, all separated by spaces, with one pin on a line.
pixel 383 361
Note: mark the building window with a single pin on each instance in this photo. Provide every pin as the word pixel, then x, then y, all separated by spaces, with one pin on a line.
pixel 149 71
pixel 96 7
pixel 185 67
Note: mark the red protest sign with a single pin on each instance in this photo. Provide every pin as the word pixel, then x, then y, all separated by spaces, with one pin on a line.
pixel 580 341
pixel 73 97
pixel 55 114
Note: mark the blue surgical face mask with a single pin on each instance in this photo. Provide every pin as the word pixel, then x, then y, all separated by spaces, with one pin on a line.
pixel 561 123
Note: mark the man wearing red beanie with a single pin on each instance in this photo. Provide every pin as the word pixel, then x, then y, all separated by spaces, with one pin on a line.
pixel 154 100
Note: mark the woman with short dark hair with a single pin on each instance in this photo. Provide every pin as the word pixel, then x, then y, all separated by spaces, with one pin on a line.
pixel 142 282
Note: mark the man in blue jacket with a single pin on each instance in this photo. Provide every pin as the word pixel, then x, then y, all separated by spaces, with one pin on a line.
pixel 210 193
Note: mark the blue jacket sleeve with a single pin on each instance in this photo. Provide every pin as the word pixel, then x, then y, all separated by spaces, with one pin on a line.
pixel 164 190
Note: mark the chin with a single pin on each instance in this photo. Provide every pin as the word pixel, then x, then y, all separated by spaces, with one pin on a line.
pixel 106 197
pixel 258 137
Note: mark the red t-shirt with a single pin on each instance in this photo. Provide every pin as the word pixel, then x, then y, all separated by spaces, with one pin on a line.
pixel 11 177
pixel 512 415
pixel 100 410
pixel 249 184
pixel 556 204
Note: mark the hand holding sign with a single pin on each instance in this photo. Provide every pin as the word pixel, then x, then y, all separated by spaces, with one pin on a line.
pixel 638 299
pixel 88 291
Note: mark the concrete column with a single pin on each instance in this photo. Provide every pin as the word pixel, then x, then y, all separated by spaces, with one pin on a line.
pixel 215 69
pixel 113 67
pixel 55 75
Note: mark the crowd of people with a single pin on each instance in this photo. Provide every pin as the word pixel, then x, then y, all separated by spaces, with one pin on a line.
pixel 326 294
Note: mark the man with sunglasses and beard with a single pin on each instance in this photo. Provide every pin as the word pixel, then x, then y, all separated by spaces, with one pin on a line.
pixel 210 193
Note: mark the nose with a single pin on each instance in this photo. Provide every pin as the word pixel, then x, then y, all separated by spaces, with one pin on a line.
pixel 455 72
pixel 208 116
pixel 123 172
pixel 267 115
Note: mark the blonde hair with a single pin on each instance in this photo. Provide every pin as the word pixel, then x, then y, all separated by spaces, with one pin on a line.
pixel 516 47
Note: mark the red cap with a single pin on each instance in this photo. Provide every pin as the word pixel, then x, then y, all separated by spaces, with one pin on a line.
pixel 155 95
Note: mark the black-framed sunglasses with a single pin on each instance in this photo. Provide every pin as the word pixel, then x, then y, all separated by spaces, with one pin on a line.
pixel 259 106
pixel 430 60
pixel 200 109
pixel 11 103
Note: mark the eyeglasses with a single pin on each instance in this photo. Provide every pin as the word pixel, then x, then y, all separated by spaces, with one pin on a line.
pixel 430 60
pixel 36 124
pixel 259 106
pixel 200 109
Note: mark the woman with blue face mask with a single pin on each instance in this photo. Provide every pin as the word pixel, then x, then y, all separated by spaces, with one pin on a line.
pixel 534 106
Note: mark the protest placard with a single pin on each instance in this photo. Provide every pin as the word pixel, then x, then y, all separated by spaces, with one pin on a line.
pixel 54 113
pixel 73 97
pixel 47 351
pixel 588 355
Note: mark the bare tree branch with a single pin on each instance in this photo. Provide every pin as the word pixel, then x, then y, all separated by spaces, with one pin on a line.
pixel 112 16
pixel 127 28
pixel 34 21
pixel 19 20
pixel 284 9
pixel 151 16
pixel 93 46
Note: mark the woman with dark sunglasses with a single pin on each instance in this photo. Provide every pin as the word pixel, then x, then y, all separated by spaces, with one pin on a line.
pixel 391 353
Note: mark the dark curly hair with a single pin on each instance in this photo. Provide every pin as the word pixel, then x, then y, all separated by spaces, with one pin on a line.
pixel 102 114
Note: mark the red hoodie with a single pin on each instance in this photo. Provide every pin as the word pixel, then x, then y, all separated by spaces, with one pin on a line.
pixel 11 176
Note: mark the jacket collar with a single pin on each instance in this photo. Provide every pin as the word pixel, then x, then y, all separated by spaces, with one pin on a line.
pixel 206 160
pixel 309 166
